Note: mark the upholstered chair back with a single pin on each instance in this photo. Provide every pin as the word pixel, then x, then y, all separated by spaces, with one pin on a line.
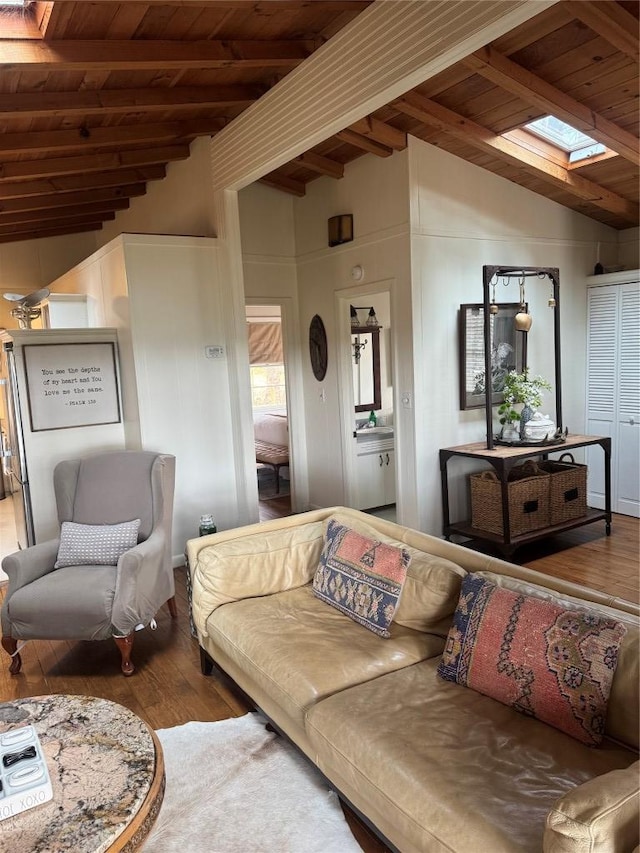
pixel 110 488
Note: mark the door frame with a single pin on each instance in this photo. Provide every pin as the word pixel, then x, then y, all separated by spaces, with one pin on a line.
pixel 291 348
pixel 343 300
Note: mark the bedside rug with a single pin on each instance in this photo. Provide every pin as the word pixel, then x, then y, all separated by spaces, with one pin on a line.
pixel 234 787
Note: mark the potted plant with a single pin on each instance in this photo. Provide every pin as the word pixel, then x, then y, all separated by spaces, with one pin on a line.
pixel 520 388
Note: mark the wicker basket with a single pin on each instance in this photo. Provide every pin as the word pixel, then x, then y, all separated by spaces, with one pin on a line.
pixel 528 491
pixel 568 489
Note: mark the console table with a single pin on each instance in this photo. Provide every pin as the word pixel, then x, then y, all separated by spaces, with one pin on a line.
pixel 503 459
pixel 107 774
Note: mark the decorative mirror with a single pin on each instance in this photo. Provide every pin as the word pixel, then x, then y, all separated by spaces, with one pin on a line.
pixel 318 347
pixel 365 357
pixel 508 352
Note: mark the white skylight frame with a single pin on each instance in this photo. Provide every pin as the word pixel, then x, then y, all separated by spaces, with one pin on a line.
pixel 576 144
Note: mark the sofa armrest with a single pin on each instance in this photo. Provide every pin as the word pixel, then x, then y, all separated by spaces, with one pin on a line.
pixel 256 561
pixel 599 815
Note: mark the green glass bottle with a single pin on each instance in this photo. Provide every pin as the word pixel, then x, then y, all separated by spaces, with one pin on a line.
pixel 373 420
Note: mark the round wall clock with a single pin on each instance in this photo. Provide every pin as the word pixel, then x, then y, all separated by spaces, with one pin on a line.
pixel 318 347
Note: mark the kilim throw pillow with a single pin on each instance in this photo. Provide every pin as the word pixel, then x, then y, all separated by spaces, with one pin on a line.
pixel 95 544
pixel 361 577
pixel 543 660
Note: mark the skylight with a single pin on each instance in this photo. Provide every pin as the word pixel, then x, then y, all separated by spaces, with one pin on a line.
pixel 576 144
pixel 13 2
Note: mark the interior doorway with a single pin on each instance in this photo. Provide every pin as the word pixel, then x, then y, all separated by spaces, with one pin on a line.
pixel 370 441
pixel 268 379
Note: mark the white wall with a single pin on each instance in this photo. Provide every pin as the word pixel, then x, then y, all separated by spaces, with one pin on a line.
pixel 629 248
pixel 181 203
pixel 163 295
pixel 375 191
pixel 28 265
pixel 463 217
pixel 270 277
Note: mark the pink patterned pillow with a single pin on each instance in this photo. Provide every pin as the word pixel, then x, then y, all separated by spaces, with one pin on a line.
pixel 361 577
pixel 543 660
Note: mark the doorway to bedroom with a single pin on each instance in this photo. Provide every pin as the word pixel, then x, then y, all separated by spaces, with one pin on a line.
pixel 268 378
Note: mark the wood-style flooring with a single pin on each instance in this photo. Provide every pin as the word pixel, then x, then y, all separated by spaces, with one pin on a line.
pixel 168 688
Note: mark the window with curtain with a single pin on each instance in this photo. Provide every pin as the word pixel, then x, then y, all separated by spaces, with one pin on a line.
pixel 266 366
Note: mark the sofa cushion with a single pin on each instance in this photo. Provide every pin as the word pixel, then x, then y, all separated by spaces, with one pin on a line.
pixel 446 768
pixel 95 544
pixel 253 565
pixel 431 588
pixel 300 650
pixel 600 815
pixel 543 660
pixel 361 577
pixel 623 713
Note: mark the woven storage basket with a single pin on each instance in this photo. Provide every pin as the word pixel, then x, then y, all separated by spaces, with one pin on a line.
pixel 568 489
pixel 528 491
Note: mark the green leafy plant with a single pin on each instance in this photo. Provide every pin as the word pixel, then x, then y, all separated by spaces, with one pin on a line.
pixel 520 388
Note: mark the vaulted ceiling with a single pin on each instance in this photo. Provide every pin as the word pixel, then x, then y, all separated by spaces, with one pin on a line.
pixel 96 99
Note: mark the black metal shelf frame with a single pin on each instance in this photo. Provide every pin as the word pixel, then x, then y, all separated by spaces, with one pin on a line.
pixel 541 273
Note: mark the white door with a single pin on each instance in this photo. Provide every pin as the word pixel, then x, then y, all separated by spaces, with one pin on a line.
pixel 627 492
pixel 613 393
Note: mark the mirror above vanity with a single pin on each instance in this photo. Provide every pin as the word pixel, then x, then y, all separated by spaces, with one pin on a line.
pixel 365 356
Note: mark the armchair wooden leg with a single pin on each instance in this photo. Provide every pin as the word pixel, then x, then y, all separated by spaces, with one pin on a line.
pixel 10 645
pixel 173 607
pixel 125 644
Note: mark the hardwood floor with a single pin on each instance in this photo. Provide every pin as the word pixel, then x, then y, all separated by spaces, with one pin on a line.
pixel 168 688
pixel 587 556
pixel 275 508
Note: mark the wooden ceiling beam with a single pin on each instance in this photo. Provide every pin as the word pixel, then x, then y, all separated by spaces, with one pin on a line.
pixel 41 233
pixel 63 222
pixel 364 143
pixel 49 201
pixel 257 6
pixel 609 20
pixel 532 89
pixel 149 55
pixel 84 164
pixel 321 165
pixel 479 137
pixel 117 101
pixel 74 183
pixel 383 133
pixel 284 183
pixel 87 139
pixel 92 210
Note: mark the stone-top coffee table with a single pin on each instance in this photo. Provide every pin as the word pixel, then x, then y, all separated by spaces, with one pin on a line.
pixel 107 774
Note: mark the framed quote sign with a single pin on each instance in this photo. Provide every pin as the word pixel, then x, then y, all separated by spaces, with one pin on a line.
pixel 71 385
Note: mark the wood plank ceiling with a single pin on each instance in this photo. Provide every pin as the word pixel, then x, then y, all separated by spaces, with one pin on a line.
pixel 96 99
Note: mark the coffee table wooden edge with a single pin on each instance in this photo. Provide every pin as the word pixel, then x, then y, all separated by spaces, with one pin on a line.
pixel 136 832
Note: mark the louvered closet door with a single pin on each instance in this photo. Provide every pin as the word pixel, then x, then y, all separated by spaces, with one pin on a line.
pixel 613 393
pixel 627 492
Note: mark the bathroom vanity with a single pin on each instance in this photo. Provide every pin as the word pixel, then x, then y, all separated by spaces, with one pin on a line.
pixel 375 467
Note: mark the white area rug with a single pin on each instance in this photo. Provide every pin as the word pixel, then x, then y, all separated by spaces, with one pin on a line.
pixel 234 787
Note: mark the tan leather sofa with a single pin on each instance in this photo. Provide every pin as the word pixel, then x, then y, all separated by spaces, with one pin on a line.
pixel 434 766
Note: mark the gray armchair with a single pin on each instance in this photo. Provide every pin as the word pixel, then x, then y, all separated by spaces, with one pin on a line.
pixel 95 602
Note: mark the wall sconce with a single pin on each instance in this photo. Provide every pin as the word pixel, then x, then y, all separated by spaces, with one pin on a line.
pixel 340 229
pixel 371 321
pixel 358 345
